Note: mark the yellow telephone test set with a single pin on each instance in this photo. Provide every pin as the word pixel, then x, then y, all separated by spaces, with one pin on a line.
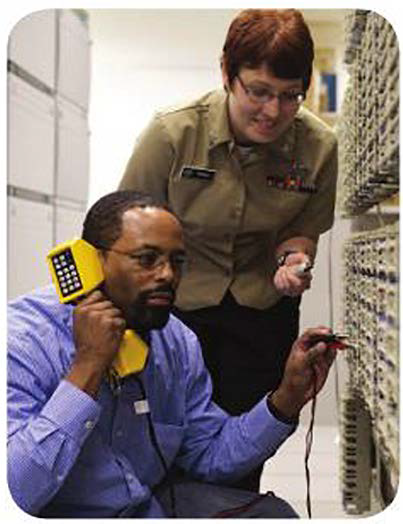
pixel 77 270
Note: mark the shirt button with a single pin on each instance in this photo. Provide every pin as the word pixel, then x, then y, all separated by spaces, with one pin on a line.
pixel 129 477
pixel 119 433
pixel 89 424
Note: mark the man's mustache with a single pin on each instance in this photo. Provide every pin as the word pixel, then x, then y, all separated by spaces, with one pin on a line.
pixel 167 292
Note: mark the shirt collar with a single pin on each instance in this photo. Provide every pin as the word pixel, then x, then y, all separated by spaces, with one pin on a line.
pixel 219 128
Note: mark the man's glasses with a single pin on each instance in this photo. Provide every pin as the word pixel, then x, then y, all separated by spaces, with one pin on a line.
pixel 153 259
pixel 261 95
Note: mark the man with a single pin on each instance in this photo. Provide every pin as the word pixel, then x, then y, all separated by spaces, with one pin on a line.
pixel 83 445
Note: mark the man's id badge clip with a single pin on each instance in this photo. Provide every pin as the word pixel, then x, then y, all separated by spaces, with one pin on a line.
pixel 202 173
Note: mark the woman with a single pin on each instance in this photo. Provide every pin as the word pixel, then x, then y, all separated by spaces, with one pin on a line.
pixel 251 174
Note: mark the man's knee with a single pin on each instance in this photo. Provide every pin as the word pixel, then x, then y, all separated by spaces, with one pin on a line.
pixel 280 509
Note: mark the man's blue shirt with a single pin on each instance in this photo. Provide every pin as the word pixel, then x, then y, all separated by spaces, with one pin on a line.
pixel 75 456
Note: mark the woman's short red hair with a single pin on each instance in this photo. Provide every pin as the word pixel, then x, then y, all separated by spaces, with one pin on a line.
pixel 278 39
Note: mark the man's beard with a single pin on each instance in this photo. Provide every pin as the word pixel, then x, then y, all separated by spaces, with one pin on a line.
pixel 143 317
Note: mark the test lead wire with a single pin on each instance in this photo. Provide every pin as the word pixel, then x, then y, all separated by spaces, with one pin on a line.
pixel 308 446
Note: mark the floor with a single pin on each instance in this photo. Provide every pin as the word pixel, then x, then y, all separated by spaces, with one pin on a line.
pixel 285 472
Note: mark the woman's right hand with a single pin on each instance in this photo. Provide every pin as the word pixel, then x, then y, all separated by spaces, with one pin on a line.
pixel 289 279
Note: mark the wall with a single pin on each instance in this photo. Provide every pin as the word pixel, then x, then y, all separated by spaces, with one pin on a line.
pixel 144 60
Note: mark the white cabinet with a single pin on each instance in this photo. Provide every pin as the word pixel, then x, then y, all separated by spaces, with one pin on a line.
pixel 74 59
pixel 32 45
pixel 30 236
pixel 31 137
pixel 48 140
pixel 72 152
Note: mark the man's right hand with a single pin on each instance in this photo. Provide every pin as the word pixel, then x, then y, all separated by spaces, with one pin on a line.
pixel 98 328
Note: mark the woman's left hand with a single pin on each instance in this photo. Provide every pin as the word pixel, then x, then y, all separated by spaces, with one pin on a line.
pixel 291 279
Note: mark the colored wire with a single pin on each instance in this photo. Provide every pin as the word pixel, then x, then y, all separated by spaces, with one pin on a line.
pixel 308 446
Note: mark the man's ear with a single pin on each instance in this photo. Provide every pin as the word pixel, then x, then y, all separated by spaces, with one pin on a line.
pixel 104 261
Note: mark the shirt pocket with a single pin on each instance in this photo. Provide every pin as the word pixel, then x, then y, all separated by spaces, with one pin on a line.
pixel 283 206
pixel 188 197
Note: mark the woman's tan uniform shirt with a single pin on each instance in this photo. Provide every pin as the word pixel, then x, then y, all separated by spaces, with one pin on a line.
pixel 227 198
